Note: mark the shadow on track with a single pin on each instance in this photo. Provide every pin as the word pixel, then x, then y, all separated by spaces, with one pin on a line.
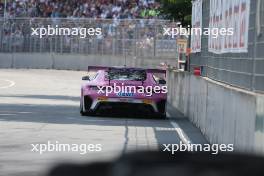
pixel 69 114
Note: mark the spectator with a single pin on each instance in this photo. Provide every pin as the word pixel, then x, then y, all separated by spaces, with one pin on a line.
pixel 105 9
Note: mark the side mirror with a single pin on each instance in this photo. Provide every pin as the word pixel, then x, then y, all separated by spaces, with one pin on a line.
pixel 87 78
pixel 162 81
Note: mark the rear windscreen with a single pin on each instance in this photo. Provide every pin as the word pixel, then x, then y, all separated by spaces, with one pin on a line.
pixel 126 74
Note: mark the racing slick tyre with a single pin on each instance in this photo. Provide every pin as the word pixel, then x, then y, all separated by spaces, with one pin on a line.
pixel 85 112
pixel 81 110
pixel 162 109
pixel 161 115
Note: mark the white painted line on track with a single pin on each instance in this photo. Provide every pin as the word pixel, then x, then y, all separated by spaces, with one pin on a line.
pixel 184 138
pixel 10 83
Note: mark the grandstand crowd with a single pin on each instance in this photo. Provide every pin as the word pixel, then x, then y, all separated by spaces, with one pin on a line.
pixel 104 9
pixel 118 34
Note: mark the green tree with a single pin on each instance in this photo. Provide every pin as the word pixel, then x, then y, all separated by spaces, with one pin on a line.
pixel 178 10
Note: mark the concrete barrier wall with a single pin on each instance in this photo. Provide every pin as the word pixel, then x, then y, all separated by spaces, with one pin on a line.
pixel 73 61
pixel 32 61
pixel 224 114
pixel 6 60
pixel 259 125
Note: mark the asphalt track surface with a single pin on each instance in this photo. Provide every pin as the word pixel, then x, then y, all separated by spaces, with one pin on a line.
pixel 37 106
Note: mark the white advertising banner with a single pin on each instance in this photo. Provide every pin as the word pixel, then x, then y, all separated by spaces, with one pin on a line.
pixel 225 15
pixel 197 15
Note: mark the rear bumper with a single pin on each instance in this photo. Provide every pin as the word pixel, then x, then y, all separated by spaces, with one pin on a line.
pixel 157 106
pixel 126 101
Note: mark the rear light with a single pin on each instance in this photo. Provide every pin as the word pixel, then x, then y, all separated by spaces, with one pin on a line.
pixel 102 98
pixel 147 101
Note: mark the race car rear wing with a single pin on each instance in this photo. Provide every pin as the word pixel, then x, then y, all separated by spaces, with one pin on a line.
pixel 96 68
pixel 156 71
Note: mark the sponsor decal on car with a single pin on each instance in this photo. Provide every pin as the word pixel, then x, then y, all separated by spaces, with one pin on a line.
pixel 125 94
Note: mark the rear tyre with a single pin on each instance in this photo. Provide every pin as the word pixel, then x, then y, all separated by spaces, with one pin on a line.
pixel 161 116
pixel 81 110
pixel 89 113
pixel 162 109
pixel 84 111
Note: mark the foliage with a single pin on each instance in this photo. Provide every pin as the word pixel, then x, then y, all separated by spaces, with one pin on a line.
pixel 178 10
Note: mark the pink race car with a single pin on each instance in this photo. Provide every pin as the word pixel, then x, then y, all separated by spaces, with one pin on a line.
pixel 123 87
